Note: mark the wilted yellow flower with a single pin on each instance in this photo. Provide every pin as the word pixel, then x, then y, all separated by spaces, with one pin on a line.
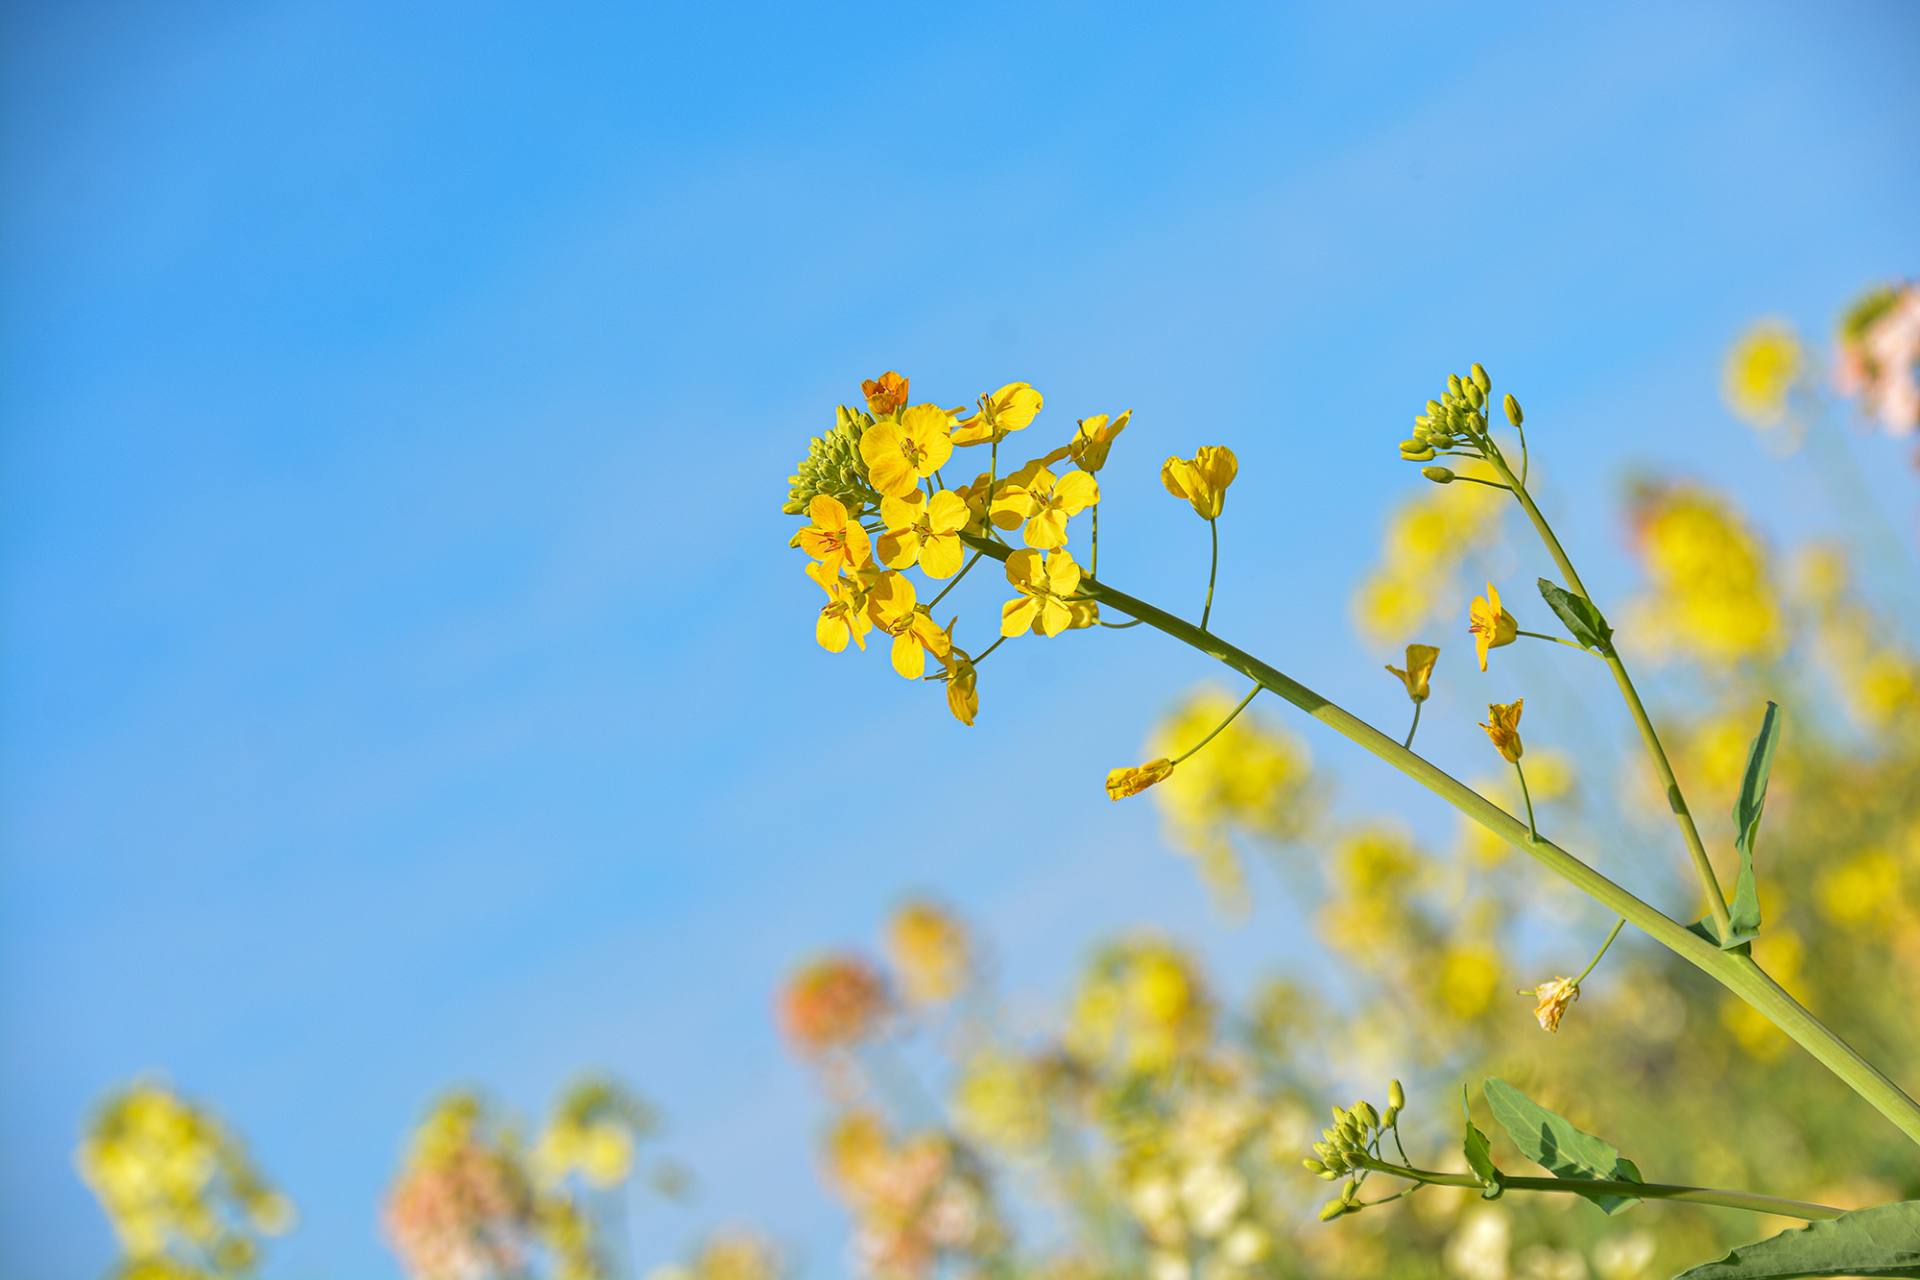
pixel 1202 479
pixel 930 952
pixel 892 608
pixel 899 455
pixel 1490 625
pixel 1420 660
pixel 1044 501
pixel 963 686
pixel 1007 410
pixel 1503 727
pixel 885 393
pixel 1551 999
pixel 1760 372
pixel 1046 584
pixel 1131 781
pixel 923 531
pixel 1094 437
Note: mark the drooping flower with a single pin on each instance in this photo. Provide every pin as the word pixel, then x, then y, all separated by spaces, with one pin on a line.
pixel 1046 583
pixel 1490 625
pixel 924 531
pixel 1007 410
pixel 892 607
pixel 1420 660
pixel 885 393
pixel 1551 999
pixel 1131 781
pixel 833 538
pixel 831 1002
pixel 1503 727
pixel 963 686
pixel 899 455
pixel 1094 437
pixel 1045 502
pixel 1202 479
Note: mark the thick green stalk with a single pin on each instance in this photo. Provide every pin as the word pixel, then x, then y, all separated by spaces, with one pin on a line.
pixel 1676 801
pixel 1751 1201
pixel 1738 973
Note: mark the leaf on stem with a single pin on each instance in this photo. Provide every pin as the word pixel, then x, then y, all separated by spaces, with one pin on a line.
pixel 1745 909
pixel 1552 1142
pixel 1479 1154
pixel 1580 615
pixel 1881 1241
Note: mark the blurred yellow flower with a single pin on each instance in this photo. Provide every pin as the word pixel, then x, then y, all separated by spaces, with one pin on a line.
pixel 831 1002
pixel 1467 978
pixel 1710 596
pixel 930 952
pixel 1864 889
pixel 1001 1101
pixel 1760 373
pixel 1490 625
pixel 1202 479
pixel 899 455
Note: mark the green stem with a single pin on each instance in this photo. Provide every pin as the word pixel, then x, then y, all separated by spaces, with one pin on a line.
pixel 956 581
pixel 1213 568
pixel 1231 717
pixel 1460 479
pixel 1541 635
pixel 1533 831
pixel 1738 973
pixel 1094 568
pixel 1676 801
pixel 1601 954
pixel 1414 727
pixel 1751 1201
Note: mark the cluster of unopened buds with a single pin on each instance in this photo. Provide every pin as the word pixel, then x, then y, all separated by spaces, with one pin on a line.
pixel 1347 1145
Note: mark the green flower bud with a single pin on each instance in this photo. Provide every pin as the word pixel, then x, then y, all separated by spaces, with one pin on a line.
pixel 1433 408
pixel 1324 1149
pixel 1332 1209
pixel 1480 378
pixel 1396 1096
pixel 1350 1195
pixel 1439 475
pixel 1513 411
pixel 1414 451
pixel 833 466
pixel 1453 386
pixel 1368 1116
pixel 1475 396
pixel 1313 1166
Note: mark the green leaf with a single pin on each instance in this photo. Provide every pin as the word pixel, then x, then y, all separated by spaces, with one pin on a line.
pixel 1480 1155
pixel 1580 616
pixel 1881 1241
pixel 1552 1142
pixel 1745 911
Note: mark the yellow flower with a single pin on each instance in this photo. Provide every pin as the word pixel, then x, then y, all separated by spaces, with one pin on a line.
pixel 1490 625
pixel 1007 410
pixel 1035 495
pixel 924 530
pixel 901 454
pixel 1122 783
pixel 1468 977
pixel 833 539
pixel 1505 728
pixel 1046 584
pixel 885 393
pixel 963 687
pixel 1203 479
pixel 844 616
pixel 892 608
pixel 930 951
pixel 1551 999
pixel 1760 373
pixel 1420 659
pixel 1095 436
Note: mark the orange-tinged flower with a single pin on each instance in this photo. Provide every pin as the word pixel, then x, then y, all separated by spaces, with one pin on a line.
pixel 831 1002
pixel 899 455
pixel 892 608
pixel 885 393
pixel 1420 660
pixel 924 531
pixel 1122 783
pixel 1047 584
pixel 1007 410
pixel 1504 728
pixel 1490 625
pixel 1045 502
pixel 833 538
pixel 1095 436
pixel 1551 999
pixel 1202 479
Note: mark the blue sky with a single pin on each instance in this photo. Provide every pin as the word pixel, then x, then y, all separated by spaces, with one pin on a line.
pixel 404 679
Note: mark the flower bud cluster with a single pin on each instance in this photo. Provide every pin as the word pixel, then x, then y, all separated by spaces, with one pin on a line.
pixel 1345 1146
pixel 1457 421
pixel 833 466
